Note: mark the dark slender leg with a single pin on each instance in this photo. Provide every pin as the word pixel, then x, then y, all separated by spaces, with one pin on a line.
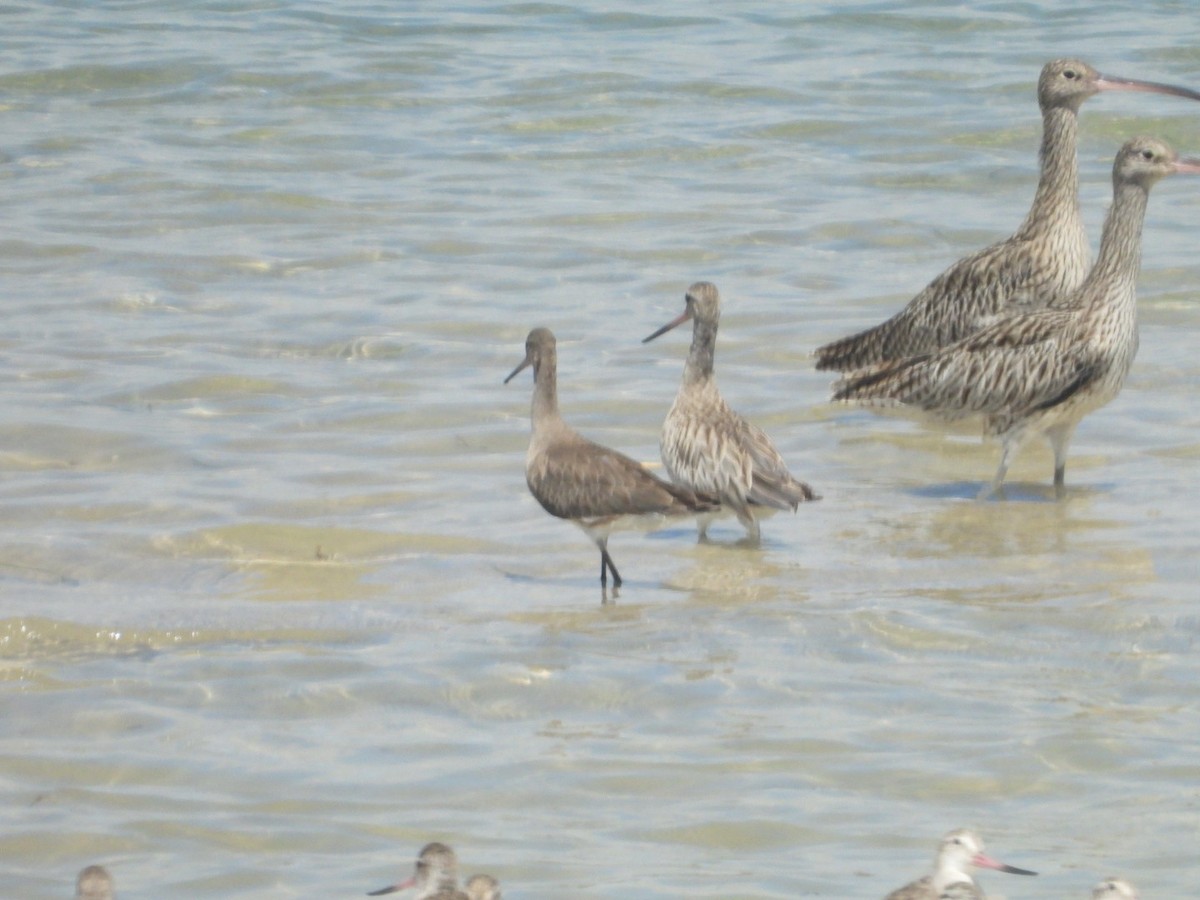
pixel 603 569
pixel 605 558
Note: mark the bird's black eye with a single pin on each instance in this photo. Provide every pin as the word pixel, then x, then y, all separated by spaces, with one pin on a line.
pixel 1147 154
pixel 1070 74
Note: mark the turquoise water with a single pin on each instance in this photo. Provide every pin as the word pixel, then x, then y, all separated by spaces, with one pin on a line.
pixel 277 606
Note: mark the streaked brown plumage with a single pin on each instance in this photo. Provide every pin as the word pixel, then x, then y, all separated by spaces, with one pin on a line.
pixel 1114 889
pixel 708 447
pixel 579 480
pixel 435 876
pixel 1041 372
pixel 483 887
pixel 1045 259
pixel 94 883
pixel 960 852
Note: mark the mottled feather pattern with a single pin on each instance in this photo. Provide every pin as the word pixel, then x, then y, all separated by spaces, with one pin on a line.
pixel 698 449
pixel 711 448
pixel 773 484
pixel 1018 366
pixel 986 284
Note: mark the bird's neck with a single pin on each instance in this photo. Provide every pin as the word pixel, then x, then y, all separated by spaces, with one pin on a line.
pixel 699 366
pixel 544 410
pixel 1056 202
pixel 1121 244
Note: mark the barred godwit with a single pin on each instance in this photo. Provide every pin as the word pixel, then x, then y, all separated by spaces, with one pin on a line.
pixel 579 480
pixel 708 447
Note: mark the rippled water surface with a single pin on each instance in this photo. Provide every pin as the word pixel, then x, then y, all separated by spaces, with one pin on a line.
pixel 277 607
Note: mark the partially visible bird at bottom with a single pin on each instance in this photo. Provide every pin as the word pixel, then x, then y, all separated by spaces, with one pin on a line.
pixel 586 483
pixel 1114 889
pixel 435 876
pixel 483 887
pixel 711 449
pixel 94 883
pixel 959 854
pixel 1041 372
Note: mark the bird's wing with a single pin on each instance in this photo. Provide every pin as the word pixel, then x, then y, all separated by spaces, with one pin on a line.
pixel 704 451
pixel 991 282
pixel 773 484
pixel 1020 364
pixel 587 480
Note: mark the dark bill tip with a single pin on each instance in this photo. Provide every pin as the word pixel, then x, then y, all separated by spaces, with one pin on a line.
pixel 687 314
pixel 386 890
pixel 514 372
pixel 1013 870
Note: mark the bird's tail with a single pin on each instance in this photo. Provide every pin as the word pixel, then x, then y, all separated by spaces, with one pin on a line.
pixel 892 382
pixel 788 493
pixel 878 344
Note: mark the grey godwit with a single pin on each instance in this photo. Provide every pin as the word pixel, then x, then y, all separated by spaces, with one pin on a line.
pixel 959 854
pixel 94 883
pixel 1041 372
pixel 435 876
pixel 1114 889
pixel 1046 258
pixel 579 480
pixel 483 887
pixel 708 447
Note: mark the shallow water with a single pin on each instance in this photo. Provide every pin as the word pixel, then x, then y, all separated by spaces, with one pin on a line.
pixel 278 608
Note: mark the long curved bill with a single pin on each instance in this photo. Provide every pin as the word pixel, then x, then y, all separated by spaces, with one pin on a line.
pixel 986 862
pixel 1187 166
pixel 1108 83
pixel 524 364
pixel 679 320
pixel 402 886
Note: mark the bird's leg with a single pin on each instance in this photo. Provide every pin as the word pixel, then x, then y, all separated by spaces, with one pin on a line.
pixel 1059 438
pixel 753 535
pixel 615 574
pixel 606 560
pixel 996 487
